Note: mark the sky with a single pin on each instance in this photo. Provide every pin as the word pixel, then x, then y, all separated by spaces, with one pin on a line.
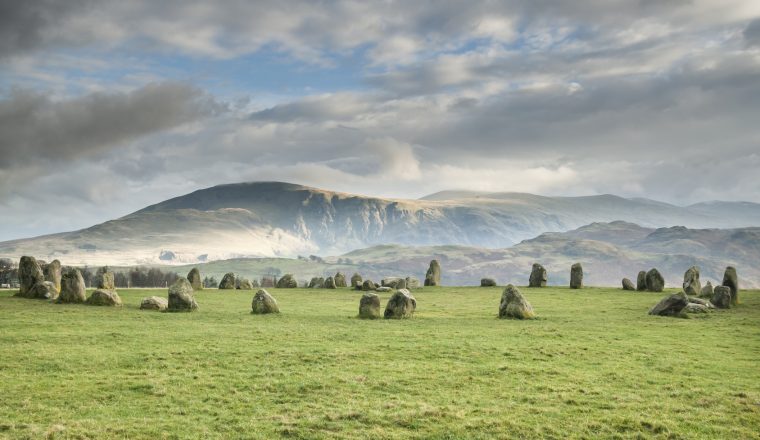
pixel 109 106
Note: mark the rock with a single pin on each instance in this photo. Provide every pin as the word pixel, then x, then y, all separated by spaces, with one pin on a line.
pixel 368 285
pixel 383 289
pixel 412 283
pixel 181 297
pixel 369 306
pixel 264 303
pixel 628 284
pixel 695 308
pixel 105 281
pixel 538 276
pixel 655 281
pixel 704 302
pixel 401 305
pixel 194 276
pixel 287 282
pixel 671 305
pixel 29 274
pixel 731 280
pixel 514 305
pixel 103 297
pixel 722 297
pixel 433 275
pixel 330 283
pixel 316 283
pixel 641 281
pixel 487 282
pixel 53 273
pixel 356 281
pixel 245 284
pixel 707 291
pixel 72 287
pixel 392 282
pixel 43 290
pixel 340 280
pixel 576 276
pixel 154 303
pixel 691 284
pixel 228 281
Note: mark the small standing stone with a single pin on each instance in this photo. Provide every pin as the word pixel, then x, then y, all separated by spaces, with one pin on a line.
pixel 538 276
pixel 103 297
pixel 43 290
pixel 368 285
pixel 641 281
pixel 514 305
pixel 245 284
pixel 487 282
pixel 412 283
pixel 228 281
pixel 329 283
pixel 731 280
pixel 691 284
pixel 628 285
pixel 576 276
pixel 722 297
pixel 356 281
pixel 655 281
pixel 340 280
pixel 287 281
pixel 401 305
pixel 316 283
pixel 72 287
pixel 154 303
pixel 106 281
pixel 264 303
pixel 369 306
pixel 194 276
pixel 707 291
pixel 181 297
pixel 53 272
pixel 433 275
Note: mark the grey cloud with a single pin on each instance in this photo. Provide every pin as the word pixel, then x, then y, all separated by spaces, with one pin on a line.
pixel 752 33
pixel 24 25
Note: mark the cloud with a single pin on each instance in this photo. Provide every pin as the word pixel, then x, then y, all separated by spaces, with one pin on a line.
pixel 752 33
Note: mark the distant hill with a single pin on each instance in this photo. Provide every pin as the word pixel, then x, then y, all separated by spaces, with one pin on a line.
pixel 274 219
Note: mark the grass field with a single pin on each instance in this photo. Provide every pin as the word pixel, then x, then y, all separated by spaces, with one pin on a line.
pixel 594 365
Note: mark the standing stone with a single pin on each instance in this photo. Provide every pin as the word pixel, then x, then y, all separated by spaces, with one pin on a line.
pixel 707 291
pixel 412 283
pixel 368 285
pixel 514 305
pixel 105 281
pixel 369 306
pixel 576 276
pixel 316 283
pixel 731 280
pixel 43 290
pixel 655 281
pixel 671 305
pixel 329 283
pixel 72 287
pixel 102 297
pixel 487 282
pixel 29 274
pixel 287 282
pixel 194 276
pixel 53 274
pixel 433 275
pixel 691 284
pixel 245 284
pixel 264 303
pixel 228 281
pixel 181 297
pixel 538 276
pixel 154 303
pixel 401 305
pixel 401 284
pixel 356 281
pixel 722 297
pixel 641 281
pixel 340 280
pixel 628 285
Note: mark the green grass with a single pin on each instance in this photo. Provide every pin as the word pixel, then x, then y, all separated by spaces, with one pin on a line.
pixel 594 365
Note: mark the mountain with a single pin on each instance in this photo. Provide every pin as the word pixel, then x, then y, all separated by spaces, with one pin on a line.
pixel 275 219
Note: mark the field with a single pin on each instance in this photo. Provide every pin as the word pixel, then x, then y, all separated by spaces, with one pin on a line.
pixel 594 365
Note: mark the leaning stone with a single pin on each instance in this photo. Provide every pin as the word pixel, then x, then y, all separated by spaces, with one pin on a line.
pixel 368 285
pixel 245 284
pixel 154 303
pixel 731 280
pixel 655 281
pixel 401 305
pixel 53 272
pixel 72 287
pixel 433 275
pixel 383 289
pixel 628 285
pixel 181 297
pixel 104 298
pixel 329 283
pixel 194 276
pixel 228 281
pixel 287 282
pixel 576 276
pixel 707 291
pixel 43 290
pixel 369 306
pixel 29 274
pixel 340 280
pixel 641 281
pixel 105 281
pixel 691 284
pixel 722 297
pixel 671 305
pixel 487 282
pixel 538 276
pixel 514 305
pixel 264 303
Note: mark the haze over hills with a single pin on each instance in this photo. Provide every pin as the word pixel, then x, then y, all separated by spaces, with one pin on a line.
pixel 274 219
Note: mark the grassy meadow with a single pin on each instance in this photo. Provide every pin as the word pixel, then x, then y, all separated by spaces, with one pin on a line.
pixel 594 365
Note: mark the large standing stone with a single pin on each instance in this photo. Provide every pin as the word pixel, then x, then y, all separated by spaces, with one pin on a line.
pixel 707 291
pixel 102 297
pixel 105 281
pixel 340 280
pixel 412 283
pixel 671 305
pixel 514 305
pixel 655 281
pixel 722 297
pixel 401 305
pixel 641 281
pixel 43 290
pixel 369 306
pixel 356 281
pixel 72 287
pixel 368 285
pixel 264 303
pixel 538 276
pixel 194 276
pixel 287 282
pixel 487 282
pixel 316 283
pixel 53 273
pixel 29 274
pixel 576 276
pixel 731 280
pixel 433 275
pixel 691 284
pixel 330 283
pixel 228 281
pixel 154 303
pixel 245 284
pixel 181 297
pixel 628 284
